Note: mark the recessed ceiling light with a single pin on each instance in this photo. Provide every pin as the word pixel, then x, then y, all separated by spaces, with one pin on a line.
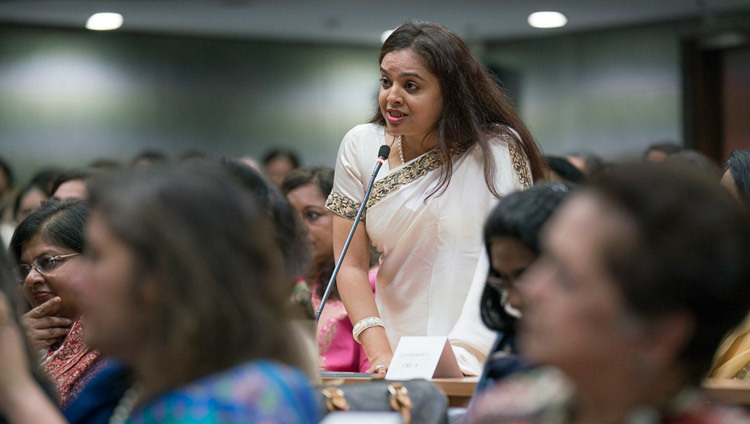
pixel 384 36
pixel 547 19
pixel 104 21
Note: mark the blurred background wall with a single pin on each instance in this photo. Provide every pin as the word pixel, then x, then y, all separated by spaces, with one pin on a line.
pixel 69 96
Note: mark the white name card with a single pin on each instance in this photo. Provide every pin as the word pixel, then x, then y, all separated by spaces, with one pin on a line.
pixel 423 357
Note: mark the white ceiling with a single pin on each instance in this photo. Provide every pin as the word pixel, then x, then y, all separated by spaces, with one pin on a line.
pixel 358 21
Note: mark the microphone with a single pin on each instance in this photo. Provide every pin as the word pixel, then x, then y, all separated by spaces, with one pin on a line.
pixel 382 157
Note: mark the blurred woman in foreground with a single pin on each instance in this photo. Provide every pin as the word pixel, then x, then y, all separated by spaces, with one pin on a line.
pixel 183 282
pixel 639 277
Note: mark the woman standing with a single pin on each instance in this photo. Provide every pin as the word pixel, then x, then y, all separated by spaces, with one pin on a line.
pixel 457 147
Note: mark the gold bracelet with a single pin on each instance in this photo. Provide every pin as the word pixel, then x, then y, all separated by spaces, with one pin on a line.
pixel 364 324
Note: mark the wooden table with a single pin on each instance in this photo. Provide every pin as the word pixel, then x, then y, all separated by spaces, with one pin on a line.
pixel 458 390
pixel 735 392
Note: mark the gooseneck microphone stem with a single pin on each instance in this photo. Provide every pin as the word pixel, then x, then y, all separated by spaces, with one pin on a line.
pixel 382 157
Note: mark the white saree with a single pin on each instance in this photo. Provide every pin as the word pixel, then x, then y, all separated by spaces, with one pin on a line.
pixel 433 264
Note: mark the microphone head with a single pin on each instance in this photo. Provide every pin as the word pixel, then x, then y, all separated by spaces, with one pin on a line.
pixel 384 152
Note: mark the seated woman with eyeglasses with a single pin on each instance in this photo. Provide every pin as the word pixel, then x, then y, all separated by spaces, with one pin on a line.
pixel 511 235
pixel 47 245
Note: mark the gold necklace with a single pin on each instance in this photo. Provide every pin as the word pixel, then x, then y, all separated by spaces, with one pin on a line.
pixel 401 150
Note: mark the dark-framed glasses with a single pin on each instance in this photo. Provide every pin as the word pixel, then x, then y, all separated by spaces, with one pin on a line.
pixel 42 264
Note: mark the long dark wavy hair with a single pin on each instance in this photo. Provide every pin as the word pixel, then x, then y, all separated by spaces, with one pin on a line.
pixel 474 108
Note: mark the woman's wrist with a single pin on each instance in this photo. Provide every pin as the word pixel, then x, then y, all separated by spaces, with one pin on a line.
pixel 364 324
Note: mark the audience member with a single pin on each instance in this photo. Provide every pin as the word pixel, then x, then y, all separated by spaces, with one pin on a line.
pixel 290 232
pixel 46 178
pixel 736 177
pixel 657 152
pixel 192 156
pixel 6 186
pixel 28 200
pixel 251 162
pixel 695 160
pixel 561 170
pixel 511 236
pixel 23 399
pixel 70 185
pixel 291 237
pixel 640 275
pixel 149 157
pixel 587 162
pixel 278 163
pixel 184 283
pixel 307 190
pixel 457 146
pixel 732 359
pixel 104 164
pixel 47 246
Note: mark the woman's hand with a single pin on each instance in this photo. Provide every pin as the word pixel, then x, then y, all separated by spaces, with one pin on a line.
pixel 379 364
pixel 42 327
pixel 21 399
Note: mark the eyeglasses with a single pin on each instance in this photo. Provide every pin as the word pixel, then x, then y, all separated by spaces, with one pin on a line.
pixel 42 264
pixel 502 284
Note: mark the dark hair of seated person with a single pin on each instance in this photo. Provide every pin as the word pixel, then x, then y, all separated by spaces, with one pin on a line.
pixel 520 215
pixel 60 222
pixel 565 170
pixel 290 232
pixel 738 165
pixel 209 254
pixel 70 175
pixel 666 268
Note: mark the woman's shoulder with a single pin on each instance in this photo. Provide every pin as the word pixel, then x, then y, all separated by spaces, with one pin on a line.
pixel 365 135
pixel 511 164
pixel 503 137
pixel 258 390
pixel 364 130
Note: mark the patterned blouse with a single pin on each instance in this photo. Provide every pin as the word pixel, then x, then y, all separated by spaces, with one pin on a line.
pixel 67 365
pixel 545 396
pixel 259 391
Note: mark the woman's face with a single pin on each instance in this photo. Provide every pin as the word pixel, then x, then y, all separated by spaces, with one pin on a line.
pixel 30 202
pixel 104 290
pixel 73 189
pixel 574 315
pixel 310 204
pixel 410 97
pixel 278 169
pixel 40 287
pixel 509 258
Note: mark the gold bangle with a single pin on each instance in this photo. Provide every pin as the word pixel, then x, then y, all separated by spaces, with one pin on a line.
pixel 364 324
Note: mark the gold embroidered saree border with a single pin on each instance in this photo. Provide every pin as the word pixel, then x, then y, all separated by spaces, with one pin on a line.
pixel 343 206
pixel 347 208
pixel 408 174
pixel 519 164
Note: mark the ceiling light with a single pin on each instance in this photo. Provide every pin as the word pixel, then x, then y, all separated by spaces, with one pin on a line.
pixel 547 20
pixel 384 36
pixel 104 21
